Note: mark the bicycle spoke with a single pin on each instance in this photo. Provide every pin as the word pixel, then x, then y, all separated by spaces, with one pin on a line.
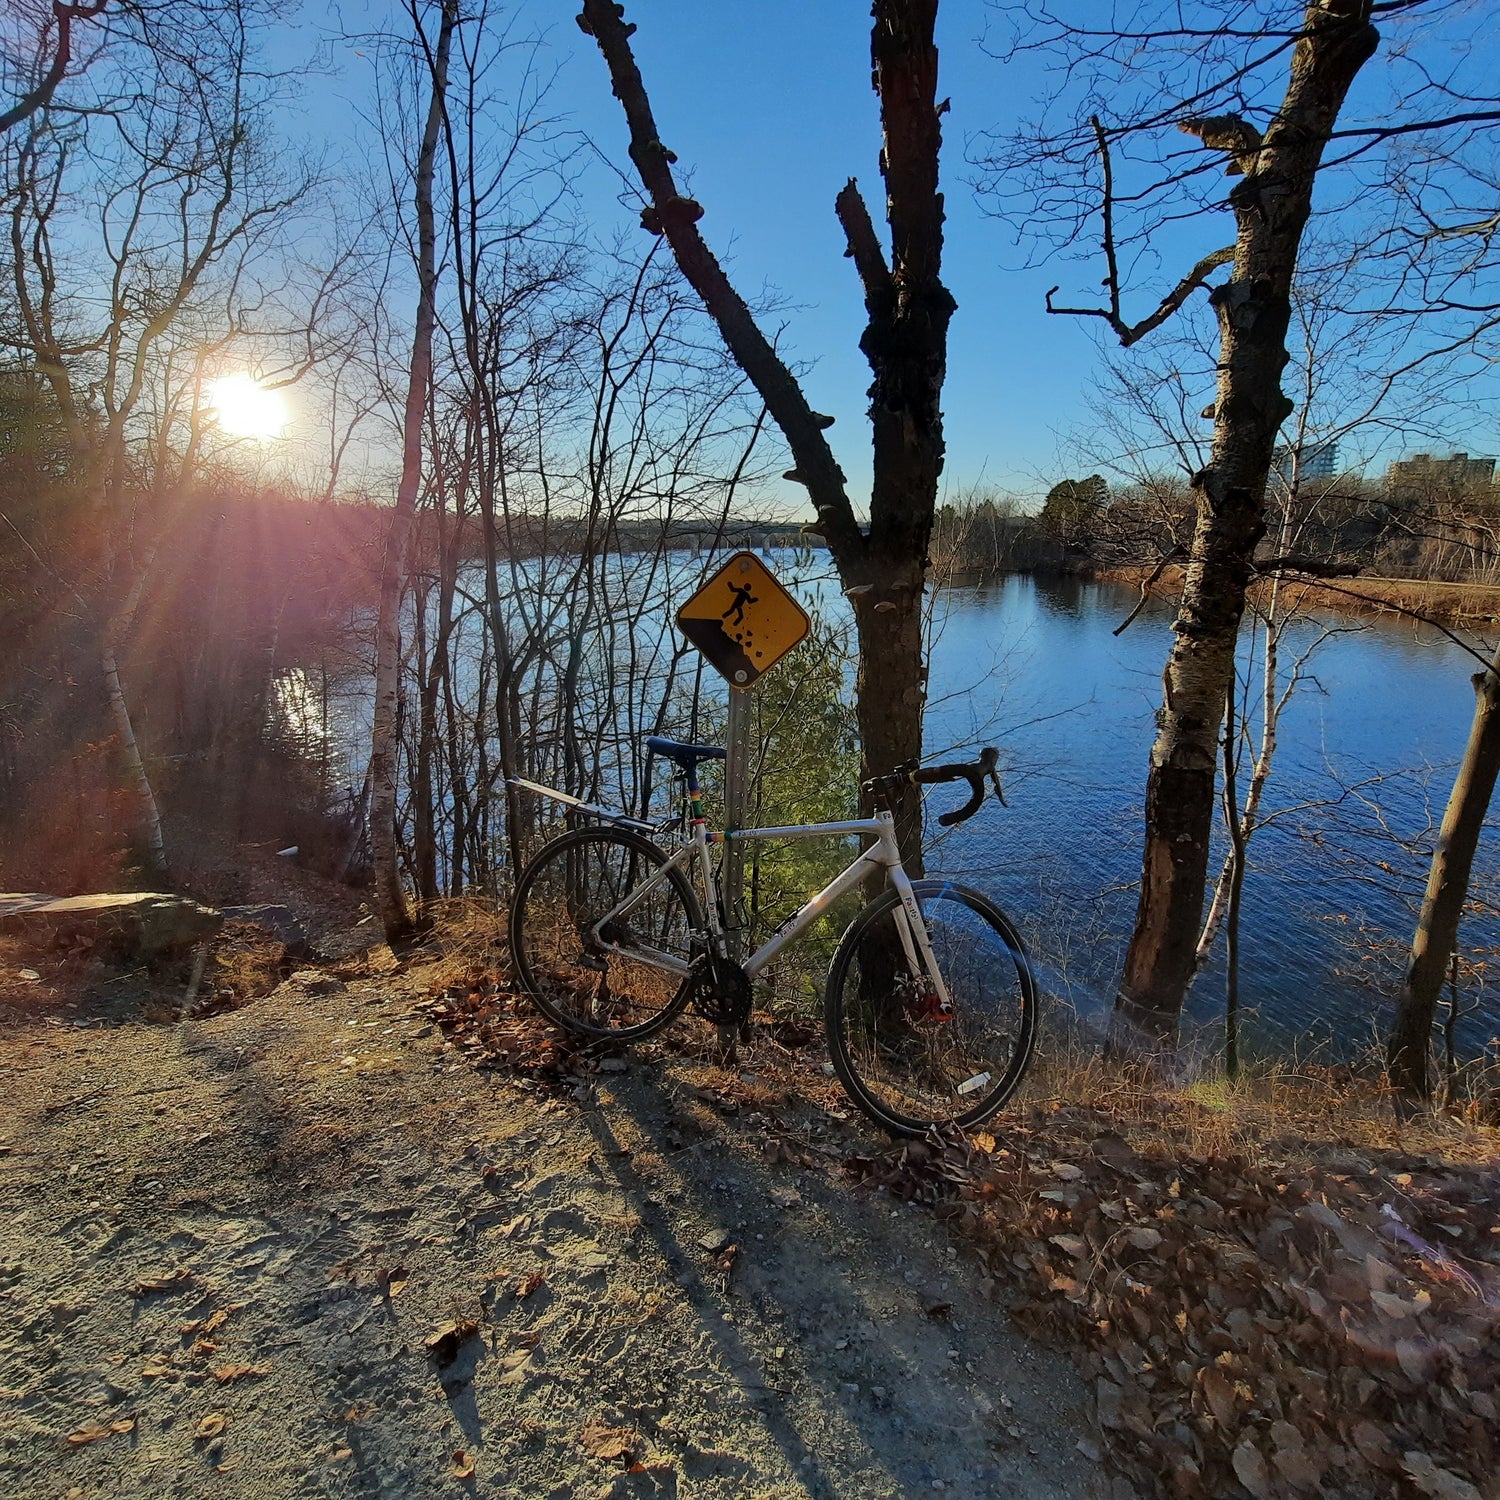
pixel 907 1057
pixel 609 982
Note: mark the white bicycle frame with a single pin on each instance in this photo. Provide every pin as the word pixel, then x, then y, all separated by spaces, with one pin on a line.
pixel 883 854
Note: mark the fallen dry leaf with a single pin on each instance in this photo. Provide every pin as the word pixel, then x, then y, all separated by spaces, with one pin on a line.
pixel 1218 1391
pixel 444 1343
pixel 211 1426
pixel 608 1443
pixel 168 1281
pixel 392 1282
pixel 215 1320
pixel 225 1373
pixel 1250 1469
pixel 1432 1479
pixel 528 1284
pixel 462 1464
pixel 94 1431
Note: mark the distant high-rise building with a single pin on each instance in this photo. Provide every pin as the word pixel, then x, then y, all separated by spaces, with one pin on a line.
pixel 1318 461
pixel 1423 475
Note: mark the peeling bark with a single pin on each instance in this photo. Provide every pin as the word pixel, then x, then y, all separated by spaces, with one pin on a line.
pixel 1271 204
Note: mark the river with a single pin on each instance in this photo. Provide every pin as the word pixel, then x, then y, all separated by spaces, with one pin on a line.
pixel 1367 746
pixel 1365 758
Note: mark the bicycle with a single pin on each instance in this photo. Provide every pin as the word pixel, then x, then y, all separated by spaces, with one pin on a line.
pixel 930 1006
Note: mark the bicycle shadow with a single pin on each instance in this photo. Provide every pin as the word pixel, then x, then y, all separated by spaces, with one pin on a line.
pixel 849 1291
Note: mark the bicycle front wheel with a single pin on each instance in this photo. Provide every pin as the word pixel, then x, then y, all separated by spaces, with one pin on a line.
pixel 594 973
pixel 908 1059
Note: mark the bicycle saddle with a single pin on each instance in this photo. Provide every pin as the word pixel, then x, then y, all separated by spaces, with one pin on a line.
pixel 686 756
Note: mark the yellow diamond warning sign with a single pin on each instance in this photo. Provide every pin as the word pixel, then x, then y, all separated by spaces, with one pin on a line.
pixel 742 620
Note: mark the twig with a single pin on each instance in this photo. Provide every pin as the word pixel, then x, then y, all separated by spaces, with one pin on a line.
pixel 1156 572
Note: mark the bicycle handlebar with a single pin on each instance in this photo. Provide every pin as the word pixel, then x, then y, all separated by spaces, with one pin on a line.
pixel 974 772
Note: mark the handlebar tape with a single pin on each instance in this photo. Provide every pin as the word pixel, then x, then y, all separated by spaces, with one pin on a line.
pixel 974 773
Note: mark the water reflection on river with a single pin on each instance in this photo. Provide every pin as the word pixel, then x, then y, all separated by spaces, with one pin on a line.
pixel 1368 740
pixel 1365 763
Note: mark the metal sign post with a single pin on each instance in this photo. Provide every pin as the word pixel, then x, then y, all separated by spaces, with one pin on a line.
pixel 736 812
pixel 744 622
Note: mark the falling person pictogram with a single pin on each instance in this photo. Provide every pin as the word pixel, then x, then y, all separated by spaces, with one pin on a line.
pixel 735 614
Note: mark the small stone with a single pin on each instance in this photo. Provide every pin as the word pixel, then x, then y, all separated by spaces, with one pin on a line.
pixel 714 1241
pixel 612 1065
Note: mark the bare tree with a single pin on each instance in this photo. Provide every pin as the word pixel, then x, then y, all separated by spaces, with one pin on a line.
pixel 390 898
pixel 50 27
pixel 884 568
pixel 1261 89
pixel 1435 940
pixel 160 177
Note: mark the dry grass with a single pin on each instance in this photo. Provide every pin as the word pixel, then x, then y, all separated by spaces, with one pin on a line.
pixel 1301 1115
pixel 1453 603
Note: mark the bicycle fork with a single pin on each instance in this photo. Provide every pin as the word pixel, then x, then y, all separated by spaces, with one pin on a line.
pixel 934 1003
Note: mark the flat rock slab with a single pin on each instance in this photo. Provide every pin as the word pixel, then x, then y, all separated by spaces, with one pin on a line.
pixel 148 921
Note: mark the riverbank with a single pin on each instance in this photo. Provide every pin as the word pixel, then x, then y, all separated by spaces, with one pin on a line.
pixel 1474 604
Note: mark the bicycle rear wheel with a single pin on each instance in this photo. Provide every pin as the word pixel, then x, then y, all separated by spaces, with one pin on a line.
pixel 603 986
pixel 908 1062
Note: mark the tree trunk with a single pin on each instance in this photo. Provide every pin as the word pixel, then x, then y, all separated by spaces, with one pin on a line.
pixel 148 812
pixel 1436 937
pixel 390 898
pixel 884 571
pixel 1271 205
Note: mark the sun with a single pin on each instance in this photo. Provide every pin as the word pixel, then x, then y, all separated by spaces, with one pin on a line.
pixel 245 408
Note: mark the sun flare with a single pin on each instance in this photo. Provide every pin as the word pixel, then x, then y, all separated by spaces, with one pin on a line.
pixel 245 408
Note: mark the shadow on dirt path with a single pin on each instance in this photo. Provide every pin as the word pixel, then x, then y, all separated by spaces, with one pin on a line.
pixel 225 1247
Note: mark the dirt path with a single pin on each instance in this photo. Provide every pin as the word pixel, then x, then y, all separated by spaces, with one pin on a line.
pixel 224 1246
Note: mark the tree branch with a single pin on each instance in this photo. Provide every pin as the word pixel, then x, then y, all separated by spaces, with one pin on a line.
pixel 1313 567
pixel 41 96
pixel 676 217
pixel 1130 333
pixel 864 246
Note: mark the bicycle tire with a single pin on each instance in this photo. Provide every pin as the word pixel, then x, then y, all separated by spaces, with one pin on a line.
pixel 905 1068
pixel 572 882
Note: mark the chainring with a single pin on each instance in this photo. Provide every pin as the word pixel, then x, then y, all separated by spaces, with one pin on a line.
pixel 721 990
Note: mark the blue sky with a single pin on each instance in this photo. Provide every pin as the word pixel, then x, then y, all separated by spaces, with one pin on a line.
pixel 769 108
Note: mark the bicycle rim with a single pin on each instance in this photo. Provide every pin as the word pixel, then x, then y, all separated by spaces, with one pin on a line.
pixel 581 984
pixel 906 1060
